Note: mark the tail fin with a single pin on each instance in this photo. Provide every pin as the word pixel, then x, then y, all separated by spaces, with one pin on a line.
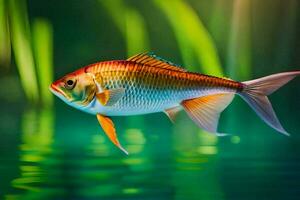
pixel 255 94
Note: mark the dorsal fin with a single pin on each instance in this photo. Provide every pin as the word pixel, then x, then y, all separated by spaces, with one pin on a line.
pixel 154 61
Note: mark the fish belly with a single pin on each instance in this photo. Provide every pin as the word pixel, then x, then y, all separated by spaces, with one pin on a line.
pixel 137 101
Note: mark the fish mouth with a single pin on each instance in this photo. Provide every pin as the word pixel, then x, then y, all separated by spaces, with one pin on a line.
pixel 57 91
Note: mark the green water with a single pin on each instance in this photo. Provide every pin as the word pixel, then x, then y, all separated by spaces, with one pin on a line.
pixel 62 153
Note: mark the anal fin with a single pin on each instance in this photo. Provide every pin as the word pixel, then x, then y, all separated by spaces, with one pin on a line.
pixel 109 129
pixel 205 111
pixel 173 112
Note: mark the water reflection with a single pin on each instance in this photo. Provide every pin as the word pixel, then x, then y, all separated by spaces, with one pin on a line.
pixel 168 162
pixel 35 151
pixel 50 169
pixel 195 161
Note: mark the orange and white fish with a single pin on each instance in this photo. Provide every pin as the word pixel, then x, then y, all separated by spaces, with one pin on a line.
pixel 147 84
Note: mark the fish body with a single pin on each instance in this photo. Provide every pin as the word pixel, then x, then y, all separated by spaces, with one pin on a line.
pixel 147 84
pixel 151 89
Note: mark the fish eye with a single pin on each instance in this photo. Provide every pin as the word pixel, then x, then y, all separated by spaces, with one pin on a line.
pixel 70 84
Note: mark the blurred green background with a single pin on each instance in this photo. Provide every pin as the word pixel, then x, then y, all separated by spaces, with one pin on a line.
pixel 49 150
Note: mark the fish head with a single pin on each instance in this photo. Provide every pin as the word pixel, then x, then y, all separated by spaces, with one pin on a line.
pixel 77 89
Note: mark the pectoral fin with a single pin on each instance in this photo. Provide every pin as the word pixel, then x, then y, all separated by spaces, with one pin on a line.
pixel 109 129
pixel 110 97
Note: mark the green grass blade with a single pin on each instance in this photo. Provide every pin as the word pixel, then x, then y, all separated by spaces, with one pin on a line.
pixel 194 40
pixel 136 33
pixel 5 51
pixel 43 52
pixel 131 24
pixel 218 24
pixel 20 37
pixel 114 9
pixel 239 49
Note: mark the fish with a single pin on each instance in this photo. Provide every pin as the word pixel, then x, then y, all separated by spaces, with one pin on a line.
pixel 146 83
